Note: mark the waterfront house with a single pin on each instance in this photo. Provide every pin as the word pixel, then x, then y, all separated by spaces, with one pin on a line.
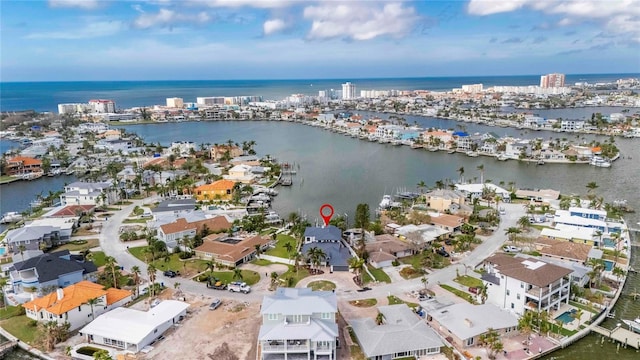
pixel 443 200
pixel 299 323
pixel 516 149
pixel 240 173
pixel 463 324
pixel 421 236
pixel 571 125
pixel 401 334
pixel 217 190
pixel 218 152
pixel 523 283
pixel 45 271
pixel 473 191
pixel 174 232
pixel 70 211
pixel 41 234
pixel 132 330
pixel 386 249
pixel 538 195
pixel 329 240
pixel 576 234
pixel 175 207
pixel 71 304
pixel 86 193
pixel 587 218
pixel 231 251
pixel 20 165
pixel 451 223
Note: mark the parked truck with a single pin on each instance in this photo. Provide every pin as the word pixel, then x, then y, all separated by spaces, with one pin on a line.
pixel 216 284
pixel 239 287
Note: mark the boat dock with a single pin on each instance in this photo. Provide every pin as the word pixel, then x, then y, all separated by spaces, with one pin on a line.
pixel 621 335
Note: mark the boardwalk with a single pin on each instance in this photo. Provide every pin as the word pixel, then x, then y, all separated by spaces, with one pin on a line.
pixel 620 335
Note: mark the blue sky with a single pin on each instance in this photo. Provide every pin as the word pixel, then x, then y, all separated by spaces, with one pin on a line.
pixel 288 39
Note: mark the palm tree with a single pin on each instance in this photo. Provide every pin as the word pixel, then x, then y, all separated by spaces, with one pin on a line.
pixel 578 315
pixel 357 265
pixel 380 319
pixel 176 286
pixel 151 271
pixel 135 270
pixel 592 186
pixel 3 283
pixel 618 272
pixel 512 232
pixel 274 278
pixel 258 249
pixel 616 239
pixel 481 169
pixel 91 303
pixel 22 249
pixel 524 222
pixel 237 273
pixel 425 282
pixel 461 172
pixel 110 263
pixel 421 185
pixel 289 247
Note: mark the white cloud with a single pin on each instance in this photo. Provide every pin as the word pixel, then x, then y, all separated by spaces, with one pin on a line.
pixel 359 20
pixel 91 30
pixel 166 17
pixel 83 4
pixel 262 4
pixel 619 17
pixel 273 26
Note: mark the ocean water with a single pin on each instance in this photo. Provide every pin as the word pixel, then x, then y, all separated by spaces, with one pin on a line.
pixel 45 96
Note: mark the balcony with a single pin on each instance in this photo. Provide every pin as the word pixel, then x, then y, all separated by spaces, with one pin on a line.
pixel 536 293
pixel 280 346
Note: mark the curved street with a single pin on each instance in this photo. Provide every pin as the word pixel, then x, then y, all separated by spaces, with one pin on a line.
pixel 112 246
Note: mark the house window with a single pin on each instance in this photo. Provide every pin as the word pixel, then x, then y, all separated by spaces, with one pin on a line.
pixel 296 319
pixel 512 306
pixel 272 316
pixel 508 292
pixel 522 285
pixel 80 308
pixel 469 342
pixel 518 296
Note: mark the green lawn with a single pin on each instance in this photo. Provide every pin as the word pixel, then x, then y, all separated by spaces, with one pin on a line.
pixel 134 221
pixel 364 302
pixel 378 274
pixel 174 262
pixel 10 312
pixel 138 252
pixel 98 258
pixel 261 262
pixel 21 327
pixel 468 281
pixel 78 245
pixel 583 307
pixel 291 273
pixel 321 285
pixel 280 250
pixel 459 293
pixel 393 300
pixel 248 276
pixel 563 331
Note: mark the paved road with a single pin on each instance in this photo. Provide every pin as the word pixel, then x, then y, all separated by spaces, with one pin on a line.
pixel 111 245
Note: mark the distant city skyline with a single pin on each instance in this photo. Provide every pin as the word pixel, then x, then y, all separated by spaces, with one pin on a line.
pixel 75 40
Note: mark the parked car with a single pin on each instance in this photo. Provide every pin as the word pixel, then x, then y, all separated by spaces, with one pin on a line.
pixel 239 287
pixel 511 248
pixel 424 297
pixel 366 288
pixel 170 273
pixel 155 302
pixel 442 252
pixel 215 304
pixel 502 211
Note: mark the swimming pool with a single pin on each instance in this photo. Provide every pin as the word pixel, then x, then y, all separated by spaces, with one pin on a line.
pixel 608 265
pixel 566 316
pixel 2 251
pixel 608 242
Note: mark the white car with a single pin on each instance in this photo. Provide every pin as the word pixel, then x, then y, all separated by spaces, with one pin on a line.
pixel 511 248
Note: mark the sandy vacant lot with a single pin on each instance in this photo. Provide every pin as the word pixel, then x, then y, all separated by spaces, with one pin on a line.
pixel 204 330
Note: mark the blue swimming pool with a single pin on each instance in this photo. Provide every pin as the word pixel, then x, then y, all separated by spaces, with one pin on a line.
pixel 608 242
pixel 2 251
pixel 608 265
pixel 566 316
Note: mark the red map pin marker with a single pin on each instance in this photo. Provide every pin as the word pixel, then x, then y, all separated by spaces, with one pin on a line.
pixel 327 217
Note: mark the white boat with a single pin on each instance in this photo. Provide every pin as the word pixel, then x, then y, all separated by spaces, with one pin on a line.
pixel 386 202
pixel 599 162
pixel 472 154
pixel 634 325
pixel 11 217
pixel 396 142
pixel 502 157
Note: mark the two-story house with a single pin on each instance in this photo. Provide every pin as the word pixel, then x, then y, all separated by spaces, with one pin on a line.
pixel 523 283
pixel 329 240
pixel 180 229
pixel 299 322
pixel 217 190
pixel 71 304
pixel 41 234
pixel 85 193
pixel 50 270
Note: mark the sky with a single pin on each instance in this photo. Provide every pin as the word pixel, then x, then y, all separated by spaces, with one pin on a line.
pixel 70 40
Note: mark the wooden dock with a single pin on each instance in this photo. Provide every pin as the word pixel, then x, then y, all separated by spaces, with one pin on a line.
pixel 621 335
pixel 6 347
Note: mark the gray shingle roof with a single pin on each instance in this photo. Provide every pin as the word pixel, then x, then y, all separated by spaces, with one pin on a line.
pixel 465 320
pixel 175 205
pixel 52 265
pixel 30 233
pixel 402 331
pixel 323 233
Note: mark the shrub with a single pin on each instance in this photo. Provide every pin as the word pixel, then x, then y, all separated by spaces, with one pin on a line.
pixel 87 350
pixel 395 263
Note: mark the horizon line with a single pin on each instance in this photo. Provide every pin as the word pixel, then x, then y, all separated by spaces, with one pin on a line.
pixel 300 79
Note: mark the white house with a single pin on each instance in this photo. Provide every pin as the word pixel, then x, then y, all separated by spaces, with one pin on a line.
pixel 475 190
pixel 71 304
pixel 299 322
pixel 523 283
pixel 240 173
pixel 85 193
pixel 132 330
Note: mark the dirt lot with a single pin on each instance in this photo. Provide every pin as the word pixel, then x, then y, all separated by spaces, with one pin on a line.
pixel 204 330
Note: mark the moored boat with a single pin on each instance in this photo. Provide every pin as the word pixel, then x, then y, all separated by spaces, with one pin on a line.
pixel 634 325
pixel 10 217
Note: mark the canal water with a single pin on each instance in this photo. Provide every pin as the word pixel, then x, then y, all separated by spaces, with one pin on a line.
pixel 343 171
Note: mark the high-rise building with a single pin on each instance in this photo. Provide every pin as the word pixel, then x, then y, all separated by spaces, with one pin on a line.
pixel 348 91
pixel 175 102
pixel 103 106
pixel 552 80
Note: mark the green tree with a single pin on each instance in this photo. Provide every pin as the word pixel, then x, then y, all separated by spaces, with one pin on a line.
pixel 357 265
pixel 91 303
pixel 491 341
pixel 362 216
pixel 481 169
pixel 151 271
pixel 102 355
pixel 135 270
pixel 524 222
pixel 111 264
pixel 237 273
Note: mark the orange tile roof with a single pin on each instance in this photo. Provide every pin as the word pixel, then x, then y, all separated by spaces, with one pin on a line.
pixel 214 224
pixel 74 296
pixel 231 252
pixel 217 185
pixel 26 161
